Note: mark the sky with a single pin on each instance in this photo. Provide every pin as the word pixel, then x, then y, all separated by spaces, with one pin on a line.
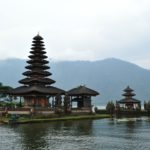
pixel 77 29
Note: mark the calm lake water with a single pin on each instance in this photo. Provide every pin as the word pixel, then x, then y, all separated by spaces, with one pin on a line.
pixel 104 134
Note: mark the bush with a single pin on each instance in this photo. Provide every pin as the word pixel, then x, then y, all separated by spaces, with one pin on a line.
pixel 1 104
pixel 110 107
pixel 95 109
pixel 10 105
pixel 147 105
pixel 19 105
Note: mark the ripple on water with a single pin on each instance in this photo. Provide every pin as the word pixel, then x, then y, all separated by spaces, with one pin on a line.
pixel 77 135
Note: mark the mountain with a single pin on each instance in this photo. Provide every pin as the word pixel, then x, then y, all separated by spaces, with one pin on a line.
pixel 109 76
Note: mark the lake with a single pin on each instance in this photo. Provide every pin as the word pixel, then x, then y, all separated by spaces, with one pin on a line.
pixel 102 134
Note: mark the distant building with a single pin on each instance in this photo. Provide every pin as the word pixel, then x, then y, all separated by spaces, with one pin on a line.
pixel 128 103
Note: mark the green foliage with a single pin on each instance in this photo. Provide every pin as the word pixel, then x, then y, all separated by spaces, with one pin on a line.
pixel 4 90
pixel 55 117
pixel 9 104
pixel 1 104
pixel 117 106
pixel 110 107
pixel 147 105
pixel 139 107
pixel 95 109
pixel 19 105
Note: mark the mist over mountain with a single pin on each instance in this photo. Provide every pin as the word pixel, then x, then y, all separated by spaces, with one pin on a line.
pixel 109 77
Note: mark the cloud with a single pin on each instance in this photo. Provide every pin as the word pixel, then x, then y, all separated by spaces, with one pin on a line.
pixel 77 30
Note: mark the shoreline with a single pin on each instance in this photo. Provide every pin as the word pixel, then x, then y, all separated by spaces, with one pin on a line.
pixel 63 118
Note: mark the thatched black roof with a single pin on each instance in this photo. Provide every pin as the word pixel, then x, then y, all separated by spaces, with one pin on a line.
pixel 131 100
pixel 38 90
pixel 32 81
pixel 82 91
pixel 128 97
pixel 128 89
pixel 5 89
pixel 37 81
pixel 128 92
pixel 37 72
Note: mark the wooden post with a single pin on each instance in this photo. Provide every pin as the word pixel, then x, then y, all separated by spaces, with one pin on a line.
pixel 20 102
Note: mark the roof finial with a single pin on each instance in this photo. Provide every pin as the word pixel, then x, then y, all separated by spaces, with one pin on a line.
pixel 38 33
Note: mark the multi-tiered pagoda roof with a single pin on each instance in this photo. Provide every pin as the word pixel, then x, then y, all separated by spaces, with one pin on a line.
pixel 128 94
pixel 37 79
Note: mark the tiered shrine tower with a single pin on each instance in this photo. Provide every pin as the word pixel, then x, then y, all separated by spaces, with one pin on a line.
pixel 37 89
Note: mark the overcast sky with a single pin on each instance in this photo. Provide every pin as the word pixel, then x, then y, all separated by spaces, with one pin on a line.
pixel 77 29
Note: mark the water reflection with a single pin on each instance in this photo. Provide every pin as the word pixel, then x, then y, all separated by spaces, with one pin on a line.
pixel 33 135
pixel 102 134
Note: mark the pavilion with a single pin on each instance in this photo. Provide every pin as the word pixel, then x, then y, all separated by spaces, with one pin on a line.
pixel 128 103
pixel 36 89
pixel 82 96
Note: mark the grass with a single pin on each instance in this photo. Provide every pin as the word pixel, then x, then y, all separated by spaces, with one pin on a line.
pixel 22 120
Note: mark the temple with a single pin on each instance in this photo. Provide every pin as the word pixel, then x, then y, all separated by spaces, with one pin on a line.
pixel 128 103
pixel 38 96
pixel 81 95
pixel 36 89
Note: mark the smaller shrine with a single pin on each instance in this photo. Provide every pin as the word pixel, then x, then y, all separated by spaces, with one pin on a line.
pixel 81 95
pixel 128 103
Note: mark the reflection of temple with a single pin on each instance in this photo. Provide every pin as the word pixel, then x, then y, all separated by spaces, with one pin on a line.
pixel 128 103
pixel 52 135
pixel 36 89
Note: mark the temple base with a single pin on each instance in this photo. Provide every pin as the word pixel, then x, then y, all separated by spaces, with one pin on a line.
pixel 36 102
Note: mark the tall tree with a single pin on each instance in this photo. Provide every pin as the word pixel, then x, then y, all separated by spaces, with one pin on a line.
pixel 4 90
